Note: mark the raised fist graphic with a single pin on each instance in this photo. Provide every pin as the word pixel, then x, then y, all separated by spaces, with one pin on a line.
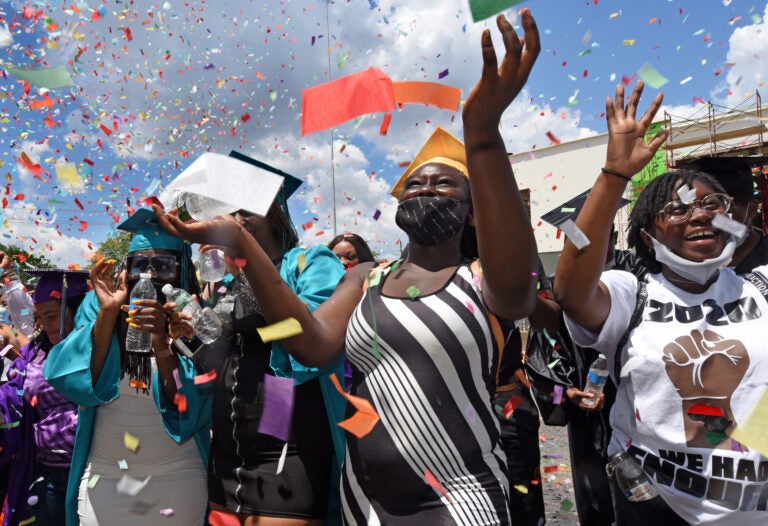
pixel 706 369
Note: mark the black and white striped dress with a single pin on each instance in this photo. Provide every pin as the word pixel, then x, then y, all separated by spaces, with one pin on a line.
pixel 434 457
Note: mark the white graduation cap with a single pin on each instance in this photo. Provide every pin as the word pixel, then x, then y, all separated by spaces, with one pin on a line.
pixel 229 180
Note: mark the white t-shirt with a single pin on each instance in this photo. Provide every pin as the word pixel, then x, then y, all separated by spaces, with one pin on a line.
pixel 691 371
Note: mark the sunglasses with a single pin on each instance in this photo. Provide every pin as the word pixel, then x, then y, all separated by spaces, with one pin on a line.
pixel 164 267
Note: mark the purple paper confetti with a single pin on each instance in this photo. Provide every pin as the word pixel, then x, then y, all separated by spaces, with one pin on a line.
pixel 278 407
pixel 558 395
pixel 443 74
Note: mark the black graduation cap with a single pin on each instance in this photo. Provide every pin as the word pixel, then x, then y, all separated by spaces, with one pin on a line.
pixel 570 209
pixel 734 173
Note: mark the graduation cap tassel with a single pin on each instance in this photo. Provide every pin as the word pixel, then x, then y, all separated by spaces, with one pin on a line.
pixel 63 320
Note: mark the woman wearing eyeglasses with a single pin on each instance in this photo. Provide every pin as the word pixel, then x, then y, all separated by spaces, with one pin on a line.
pixel 132 461
pixel 694 364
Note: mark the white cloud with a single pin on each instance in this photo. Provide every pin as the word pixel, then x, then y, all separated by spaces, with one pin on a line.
pixel 36 233
pixel 748 47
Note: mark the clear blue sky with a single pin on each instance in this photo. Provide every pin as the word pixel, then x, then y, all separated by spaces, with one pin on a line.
pixel 172 80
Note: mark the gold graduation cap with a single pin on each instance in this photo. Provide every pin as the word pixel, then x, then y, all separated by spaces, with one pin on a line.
pixel 441 147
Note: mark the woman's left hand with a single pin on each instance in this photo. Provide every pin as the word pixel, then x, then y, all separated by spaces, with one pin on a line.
pixel 147 316
pixel 179 323
pixel 577 397
pixel 499 86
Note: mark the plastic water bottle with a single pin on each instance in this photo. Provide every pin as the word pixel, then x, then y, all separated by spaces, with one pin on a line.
pixel 630 477
pixel 596 378
pixel 212 267
pixel 136 340
pixel 205 322
pixel 196 207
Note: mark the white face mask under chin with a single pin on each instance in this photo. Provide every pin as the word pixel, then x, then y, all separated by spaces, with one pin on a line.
pixel 697 271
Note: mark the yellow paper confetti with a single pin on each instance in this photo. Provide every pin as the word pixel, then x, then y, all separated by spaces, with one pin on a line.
pixel 522 489
pixel 67 174
pixel 751 432
pixel 28 521
pixel 629 42
pixel 131 442
pixel 301 262
pixel 280 330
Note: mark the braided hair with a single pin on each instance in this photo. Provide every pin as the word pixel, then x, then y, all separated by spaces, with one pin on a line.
pixel 282 228
pixel 651 201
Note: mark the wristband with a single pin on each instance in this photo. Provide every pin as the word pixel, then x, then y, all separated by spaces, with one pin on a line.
pixel 165 353
pixel 615 174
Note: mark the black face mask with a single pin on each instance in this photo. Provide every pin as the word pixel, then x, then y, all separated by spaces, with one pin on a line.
pixel 430 220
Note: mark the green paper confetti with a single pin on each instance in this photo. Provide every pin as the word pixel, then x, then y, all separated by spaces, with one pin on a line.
pixel 93 481
pixel 395 265
pixel 413 291
pixel 551 365
pixel 9 426
pixel 374 278
pixel 651 76
pixel 51 78
pixel 482 9
pixel 375 346
pixel 566 505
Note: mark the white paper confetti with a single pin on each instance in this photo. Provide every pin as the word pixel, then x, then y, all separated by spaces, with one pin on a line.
pixel 686 195
pixel 726 224
pixel 283 455
pixel 631 364
pixel 131 486
pixel 574 233
pixel 122 464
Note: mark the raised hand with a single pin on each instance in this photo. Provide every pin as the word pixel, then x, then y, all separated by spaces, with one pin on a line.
pixel 112 295
pixel 498 86
pixel 627 151
pixel 222 230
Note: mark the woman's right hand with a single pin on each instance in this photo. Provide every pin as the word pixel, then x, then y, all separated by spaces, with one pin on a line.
pixel 222 230
pixel 112 295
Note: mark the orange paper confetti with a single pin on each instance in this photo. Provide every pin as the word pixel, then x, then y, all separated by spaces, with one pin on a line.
pixel 432 481
pixel 205 378
pixel 181 402
pixel 429 93
pixel 338 101
pixel 362 422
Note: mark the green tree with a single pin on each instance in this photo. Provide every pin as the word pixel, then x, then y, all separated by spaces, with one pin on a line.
pixel 114 247
pixel 23 261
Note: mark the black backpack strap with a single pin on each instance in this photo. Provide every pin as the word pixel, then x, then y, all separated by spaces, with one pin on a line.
pixel 634 321
pixel 759 281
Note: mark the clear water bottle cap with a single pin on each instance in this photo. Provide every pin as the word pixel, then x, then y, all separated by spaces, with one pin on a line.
pixel 145 275
pixel 167 289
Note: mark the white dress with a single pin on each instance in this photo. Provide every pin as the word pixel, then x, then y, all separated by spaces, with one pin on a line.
pixel 177 476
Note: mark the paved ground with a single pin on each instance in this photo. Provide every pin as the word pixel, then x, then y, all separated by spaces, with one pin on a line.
pixel 556 476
